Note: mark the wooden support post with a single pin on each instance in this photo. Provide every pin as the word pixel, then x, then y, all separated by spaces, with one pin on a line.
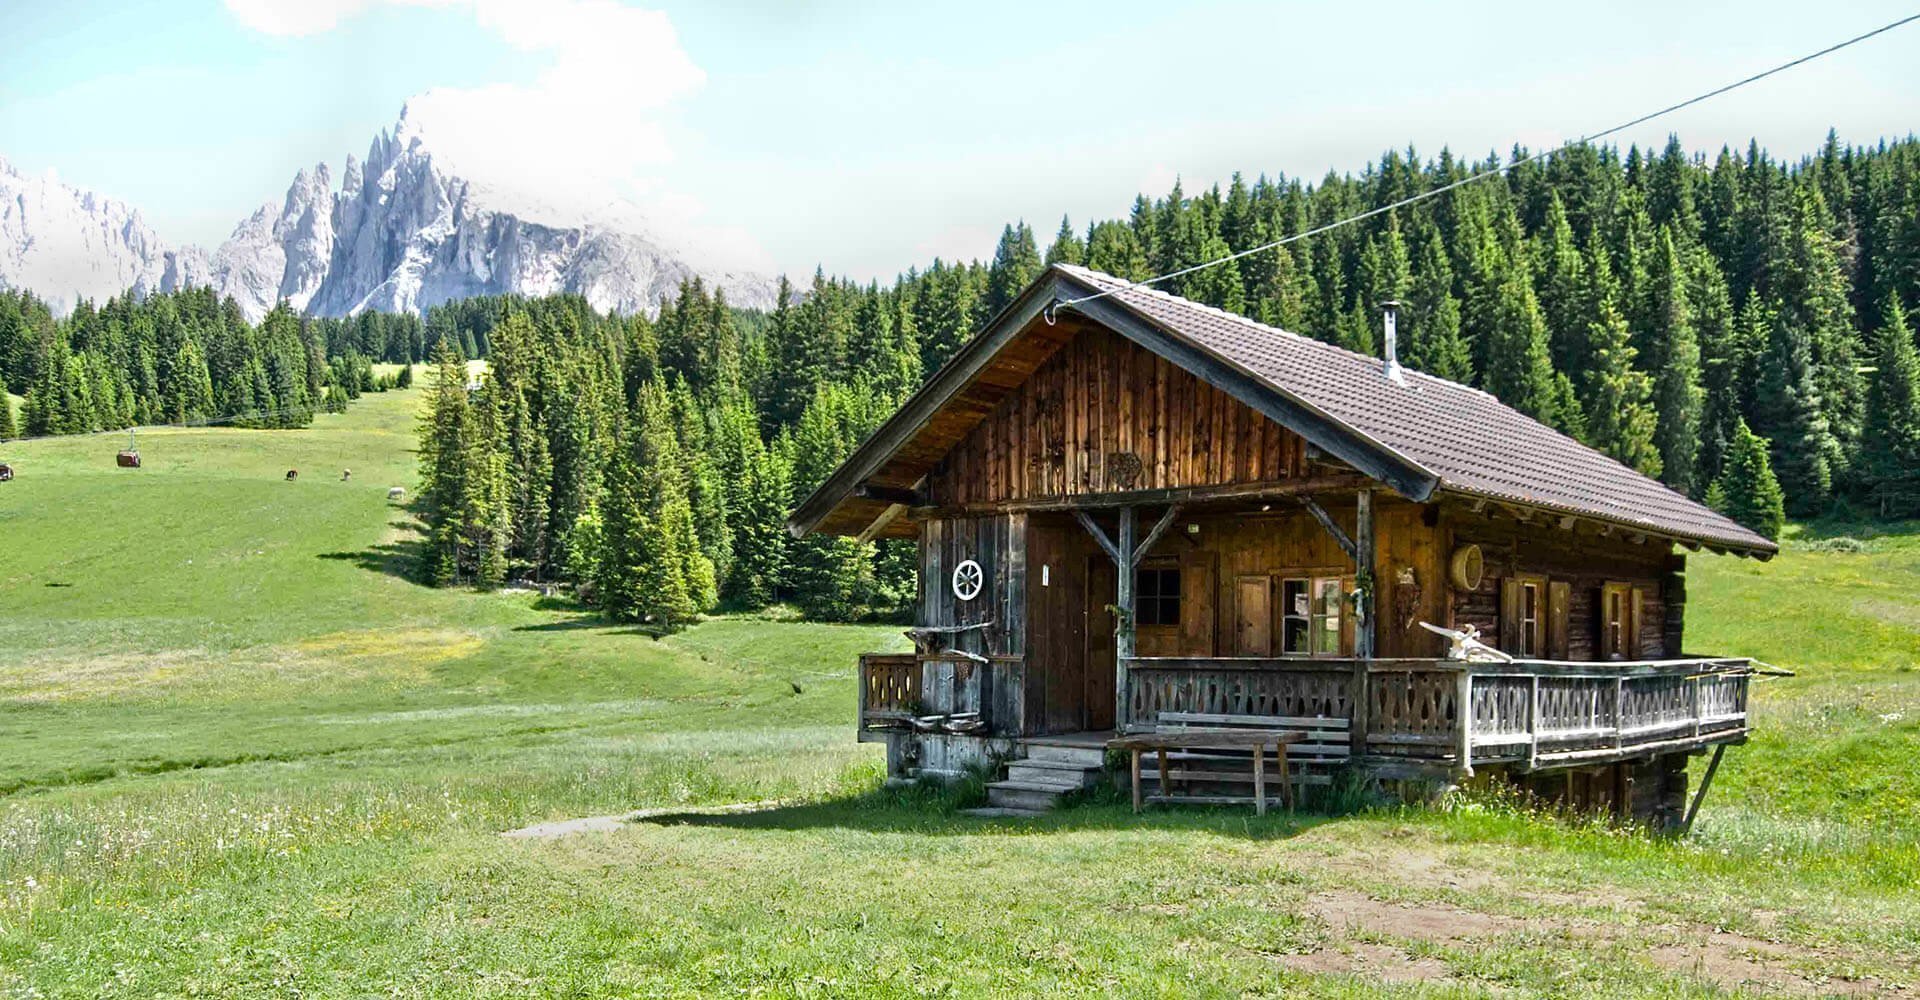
pixel 1706 780
pixel 1361 699
pixel 1260 779
pixel 1463 700
pixel 1166 782
pixel 1619 712
pixel 1287 790
pixel 1364 630
pixel 1136 780
pixel 1533 720
pixel 1123 639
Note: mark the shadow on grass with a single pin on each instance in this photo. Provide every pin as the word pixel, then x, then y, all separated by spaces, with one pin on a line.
pixel 935 811
pixel 400 559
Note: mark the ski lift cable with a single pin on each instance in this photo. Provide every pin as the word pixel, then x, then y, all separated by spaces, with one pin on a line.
pixel 1491 171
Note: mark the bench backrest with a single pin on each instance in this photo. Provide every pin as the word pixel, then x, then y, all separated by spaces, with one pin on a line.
pixel 1327 737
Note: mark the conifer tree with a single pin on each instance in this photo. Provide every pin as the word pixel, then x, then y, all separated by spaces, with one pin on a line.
pixel 1067 246
pixel 1016 262
pixel 1788 413
pixel 1115 248
pixel 1675 362
pixel 1891 439
pixel 8 428
pixel 446 439
pixel 651 568
pixel 1747 490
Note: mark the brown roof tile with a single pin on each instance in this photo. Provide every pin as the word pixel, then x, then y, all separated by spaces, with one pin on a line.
pixel 1471 441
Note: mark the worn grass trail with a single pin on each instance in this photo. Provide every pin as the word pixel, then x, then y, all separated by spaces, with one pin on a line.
pixel 241 754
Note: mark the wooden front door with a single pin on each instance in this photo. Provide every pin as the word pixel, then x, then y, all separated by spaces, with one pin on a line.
pixel 1101 590
pixel 1253 616
pixel 1056 675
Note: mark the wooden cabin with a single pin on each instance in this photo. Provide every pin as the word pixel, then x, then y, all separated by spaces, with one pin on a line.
pixel 1132 508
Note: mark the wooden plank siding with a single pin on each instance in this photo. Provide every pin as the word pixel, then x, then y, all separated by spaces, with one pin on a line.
pixel 1577 566
pixel 1066 432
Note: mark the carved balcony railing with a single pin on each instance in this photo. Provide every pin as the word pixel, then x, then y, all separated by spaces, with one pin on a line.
pixel 889 690
pixel 1530 713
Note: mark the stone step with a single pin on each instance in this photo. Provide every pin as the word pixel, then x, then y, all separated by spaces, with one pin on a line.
pixel 1023 795
pixel 1002 812
pixel 1053 772
pixel 1083 755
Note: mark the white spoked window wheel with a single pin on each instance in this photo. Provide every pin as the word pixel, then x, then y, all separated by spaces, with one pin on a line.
pixel 967 579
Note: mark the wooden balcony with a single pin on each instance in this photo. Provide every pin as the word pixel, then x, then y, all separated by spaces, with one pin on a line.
pixel 889 691
pixel 1405 715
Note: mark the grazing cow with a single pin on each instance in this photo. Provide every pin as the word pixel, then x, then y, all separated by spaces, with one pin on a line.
pixel 346 475
pixel 6 472
pixel 397 493
pixel 293 474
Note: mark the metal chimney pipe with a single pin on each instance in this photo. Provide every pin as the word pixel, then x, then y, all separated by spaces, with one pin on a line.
pixel 1390 341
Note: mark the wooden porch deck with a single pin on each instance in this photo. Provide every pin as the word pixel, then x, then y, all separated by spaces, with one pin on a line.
pixel 1404 717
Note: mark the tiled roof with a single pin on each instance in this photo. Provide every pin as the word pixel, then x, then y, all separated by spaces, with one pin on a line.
pixel 1470 441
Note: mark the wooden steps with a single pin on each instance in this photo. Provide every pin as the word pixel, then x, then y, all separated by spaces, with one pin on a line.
pixel 1050 771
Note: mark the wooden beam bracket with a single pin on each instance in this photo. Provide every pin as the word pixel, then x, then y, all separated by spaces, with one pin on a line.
pixel 890 494
pixel 1106 544
pixel 1159 528
pixel 1326 521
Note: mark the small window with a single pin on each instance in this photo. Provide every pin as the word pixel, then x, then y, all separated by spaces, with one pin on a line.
pixel 1156 597
pixel 1617 639
pixel 1327 600
pixel 1296 634
pixel 1530 630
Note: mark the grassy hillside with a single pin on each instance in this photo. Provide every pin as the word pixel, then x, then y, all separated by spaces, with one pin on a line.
pixel 242 754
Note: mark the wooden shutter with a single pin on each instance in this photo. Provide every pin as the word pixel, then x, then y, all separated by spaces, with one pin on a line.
pixel 1253 616
pixel 1510 615
pixel 1198 596
pixel 1559 596
pixel 1635 621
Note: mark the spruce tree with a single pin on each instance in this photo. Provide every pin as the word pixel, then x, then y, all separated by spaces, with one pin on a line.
pixel 446 440
pixel 1788 413
pixel 1747 490
pixel 1891 439
pixel 651 568
pixel 1016 262
pixel 8 428
pixel 1675 362
pixel 1067 246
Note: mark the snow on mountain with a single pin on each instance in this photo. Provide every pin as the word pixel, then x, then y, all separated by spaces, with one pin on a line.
pixel 65 244
pixel 406 230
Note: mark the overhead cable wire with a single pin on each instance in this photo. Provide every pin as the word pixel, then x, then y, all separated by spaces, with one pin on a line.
pixel 1493 171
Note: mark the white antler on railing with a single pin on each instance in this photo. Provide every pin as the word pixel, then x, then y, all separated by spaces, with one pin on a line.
pixel 1466 645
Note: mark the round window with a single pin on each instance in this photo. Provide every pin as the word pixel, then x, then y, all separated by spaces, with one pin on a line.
pixel 967 579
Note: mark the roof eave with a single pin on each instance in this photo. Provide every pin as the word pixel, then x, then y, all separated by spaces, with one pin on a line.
pixel 1755 547
pixel 948 381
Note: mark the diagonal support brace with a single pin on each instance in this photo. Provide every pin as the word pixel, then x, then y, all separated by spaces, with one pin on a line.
pixel 1326 521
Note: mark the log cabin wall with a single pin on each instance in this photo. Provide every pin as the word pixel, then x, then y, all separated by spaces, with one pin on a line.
pixel 998 543
pixel 1232 571
pixel 1104 415
pixel 1585 563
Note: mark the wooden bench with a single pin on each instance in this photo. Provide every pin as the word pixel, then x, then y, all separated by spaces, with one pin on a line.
pixel 1327 746
pixel 1256 740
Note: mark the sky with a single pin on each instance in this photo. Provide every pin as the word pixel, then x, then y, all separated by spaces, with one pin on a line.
pixel 871 137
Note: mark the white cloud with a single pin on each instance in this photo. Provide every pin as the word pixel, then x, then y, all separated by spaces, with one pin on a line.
pixel 590 129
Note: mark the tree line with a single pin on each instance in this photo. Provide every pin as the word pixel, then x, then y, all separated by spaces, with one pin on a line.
pixel 1735 326
pixel 1736 322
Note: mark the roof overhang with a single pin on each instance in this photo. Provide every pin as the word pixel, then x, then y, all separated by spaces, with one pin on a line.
pixel 838 504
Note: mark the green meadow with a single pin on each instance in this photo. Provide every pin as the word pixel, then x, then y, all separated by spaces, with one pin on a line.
pixel 242 753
